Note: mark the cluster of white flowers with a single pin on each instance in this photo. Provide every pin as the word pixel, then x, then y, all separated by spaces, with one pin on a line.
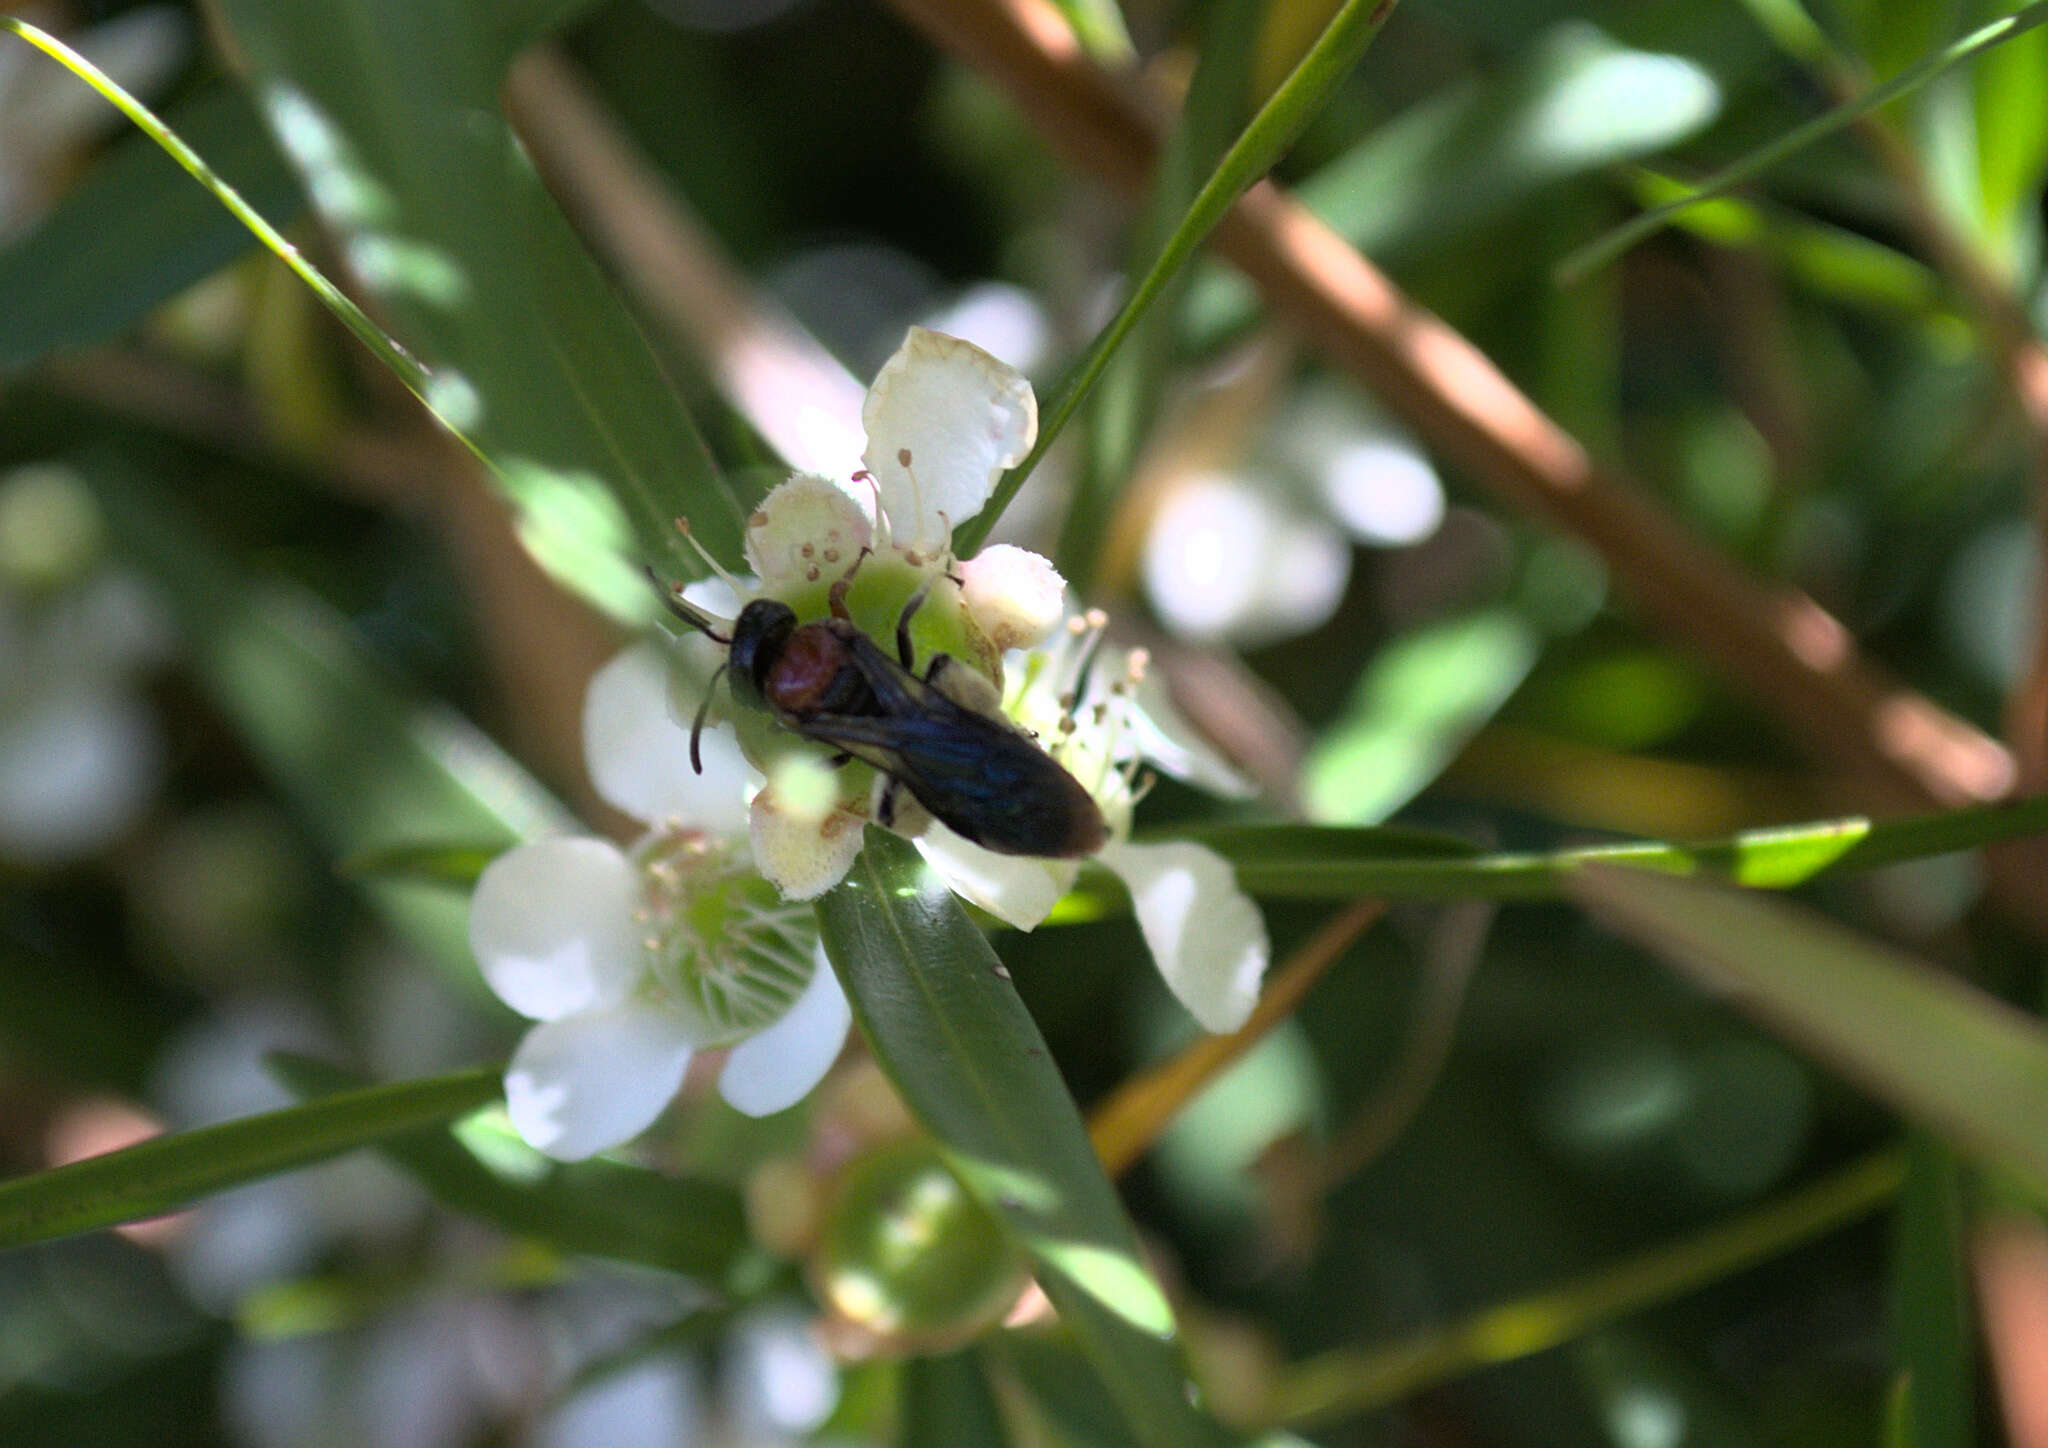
pixel 633 960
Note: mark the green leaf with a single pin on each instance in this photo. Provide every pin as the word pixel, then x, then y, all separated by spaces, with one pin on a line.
pixel 1602 250
pixel 135 231
pixel 460 864
pixel 593 1208
pixel 1345 1382
pixel 1350 31
pixel 168 1172
pixel 1830 261
pixel 1941 1052
pixel 371 768
pixel 947 1403
pixel 1414 707
pixel 2011 95
pixel 391 113
pixel 1072 1400
pixel 1309 862
pixel 939 1013
pixel 1472 153
pixel 1128 396
pixel 1931 1303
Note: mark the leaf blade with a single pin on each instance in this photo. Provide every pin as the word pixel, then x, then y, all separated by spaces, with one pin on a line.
pixel 171 1171
pixel 933 1003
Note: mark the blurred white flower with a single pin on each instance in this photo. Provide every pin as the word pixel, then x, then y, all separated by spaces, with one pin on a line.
pixel 632 961
pixel 1225 560
pixel 1104 722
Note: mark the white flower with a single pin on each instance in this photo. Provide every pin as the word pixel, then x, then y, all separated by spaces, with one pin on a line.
pixel 1205 934
pixel 944 420
pixel 632 961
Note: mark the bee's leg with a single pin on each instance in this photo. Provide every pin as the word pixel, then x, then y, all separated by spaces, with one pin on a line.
pixel 904 653
pixel 835 597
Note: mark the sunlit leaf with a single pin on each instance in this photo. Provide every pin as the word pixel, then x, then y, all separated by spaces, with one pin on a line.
pixel 595 1208
pixel 391 114
pixel 1418 701
pixel 172 1171
pixel 944 1022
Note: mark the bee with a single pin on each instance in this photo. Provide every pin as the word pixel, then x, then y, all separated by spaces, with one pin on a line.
pixel 938 735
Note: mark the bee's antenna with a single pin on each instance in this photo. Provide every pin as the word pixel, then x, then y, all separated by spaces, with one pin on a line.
pixel 688 612
pixel 697 724
pixel 683 527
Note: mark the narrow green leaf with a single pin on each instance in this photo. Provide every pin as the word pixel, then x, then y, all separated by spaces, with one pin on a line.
pixel 1829 260
pixel 1939 1051
pixel 135 231
pixel 1473 153
pixel 593 1208
pixel 391 113
pixel 1309 862
pixel 1350 31
pixel 946 1402
pixel 458 865
pixel 1349 1381
pixel 2011 96
pixel 1602 250
pixel 168 1172
pixel 1931 1303
pixel 1128 395
pixel 939 1013
pixel 1069 1397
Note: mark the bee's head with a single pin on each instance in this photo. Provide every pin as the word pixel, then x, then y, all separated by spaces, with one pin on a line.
pixel 764 626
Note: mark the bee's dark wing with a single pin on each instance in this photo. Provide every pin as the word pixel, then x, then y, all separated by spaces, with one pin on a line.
pixel 985 780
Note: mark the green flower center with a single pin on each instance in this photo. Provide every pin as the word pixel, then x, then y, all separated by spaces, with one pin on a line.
pixel 724 950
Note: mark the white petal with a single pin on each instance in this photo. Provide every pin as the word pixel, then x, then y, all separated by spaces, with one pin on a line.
pixel 589 1082
pixel 803 855
pixel 959 416
pixel 1019 890
pixel 805 530
pixel 774 1069
pixel 1165 738
pixel 552 928
pixel 1015 597
pixel 1206 936
pixel 639 756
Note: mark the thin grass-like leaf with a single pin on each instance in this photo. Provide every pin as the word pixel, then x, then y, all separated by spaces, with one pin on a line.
pixel 1350 31
pixel 1599 252
pixel 1351 1381
pixel 1308 862
pixel 172 1171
